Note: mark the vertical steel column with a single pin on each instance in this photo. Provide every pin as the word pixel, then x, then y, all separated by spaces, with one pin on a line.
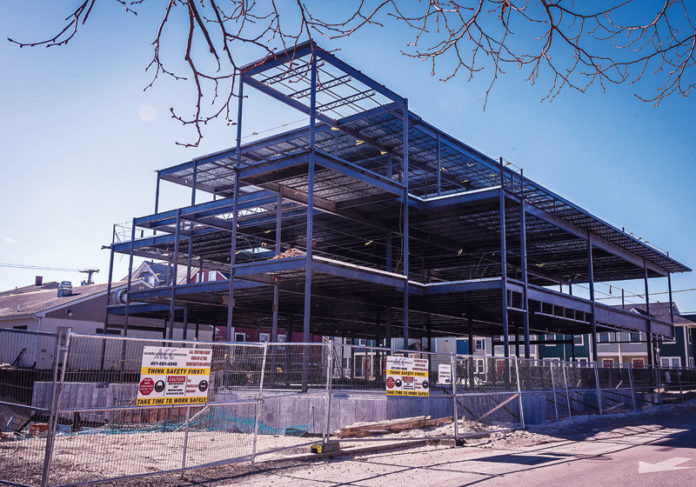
pixel 590 271
pixel 108 289
pixel 405 220
pixel 525 278
pixel 185 331
pixel 503 264
pixel 124 332
pixel 388 267
pixel 439 167
pixel 172 291
pixel 106 308
pixel 651 347
pixel 157 193
pixel 470 323
pixel 194 182
pixel 307 310
pixel 429 332
pixel 235 213
pixel 276 288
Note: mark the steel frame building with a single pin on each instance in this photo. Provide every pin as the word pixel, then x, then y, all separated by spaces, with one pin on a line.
pixel 372 223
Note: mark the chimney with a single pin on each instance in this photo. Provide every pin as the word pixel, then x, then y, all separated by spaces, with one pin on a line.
pixel 38 281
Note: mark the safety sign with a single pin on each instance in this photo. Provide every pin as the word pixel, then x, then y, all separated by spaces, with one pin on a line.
pixel 444 374
pixel 174 376
pixel 407 376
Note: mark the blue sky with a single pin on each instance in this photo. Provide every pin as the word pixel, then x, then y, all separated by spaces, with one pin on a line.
pixel 81 140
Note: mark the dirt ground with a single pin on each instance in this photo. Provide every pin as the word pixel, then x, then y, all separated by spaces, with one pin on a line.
pixel 91 457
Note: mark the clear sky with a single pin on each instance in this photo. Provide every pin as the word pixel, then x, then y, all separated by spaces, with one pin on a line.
pixel 81 140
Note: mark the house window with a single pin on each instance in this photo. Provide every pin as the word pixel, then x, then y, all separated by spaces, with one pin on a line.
pixel 634 337
pixel 240 337
pixel 281 338
pixel 688 335
pixel 549 338
pixel 670 361
pixel 691 362
pixel 578 340
pixel 479 344
pixel 479 366
pixel 608 363
pixel 264 337
pixel 604 337
pixel 638 363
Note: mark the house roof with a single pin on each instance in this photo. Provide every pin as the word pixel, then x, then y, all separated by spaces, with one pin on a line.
pixel 30 303
pixel 661 311
pixel 161 270
pixel 31 288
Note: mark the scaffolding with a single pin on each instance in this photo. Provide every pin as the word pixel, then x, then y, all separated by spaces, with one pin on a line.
pixel 370 222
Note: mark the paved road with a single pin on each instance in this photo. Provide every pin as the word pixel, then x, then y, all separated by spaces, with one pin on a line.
pixel 612 451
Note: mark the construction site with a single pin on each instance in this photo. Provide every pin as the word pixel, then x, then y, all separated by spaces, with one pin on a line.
pixel 370 223
pixel 355 241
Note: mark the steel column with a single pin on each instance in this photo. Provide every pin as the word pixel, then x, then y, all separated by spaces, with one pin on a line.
pixel 405 220
pixel 194 182
pixel 157 193
pixel 124 332
pixel 307 309
pixel 525 278
pixel 175 268
pixel 439 167
pixel 235 214
pixel 590 271
pixel 503 264
pixel 651 349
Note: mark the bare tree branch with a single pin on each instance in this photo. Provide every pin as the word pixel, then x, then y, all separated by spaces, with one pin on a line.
pixel 564 43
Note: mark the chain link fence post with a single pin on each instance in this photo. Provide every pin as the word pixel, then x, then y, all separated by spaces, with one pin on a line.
pixel 327 408
pixel 599 389
pixel 259 402
pixel 553 389
pixel 565 386
pixel 658 384
pixel 519 390
pixel 455 417
pixel 186 435
pixel 679 381
pixel 633 389
pixel 59 366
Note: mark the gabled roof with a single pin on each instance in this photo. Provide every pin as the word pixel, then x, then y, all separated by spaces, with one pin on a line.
pixel 32 303
pixel 161 271
pixel 661 311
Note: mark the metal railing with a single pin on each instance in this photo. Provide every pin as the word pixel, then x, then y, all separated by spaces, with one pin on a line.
pixel 68 402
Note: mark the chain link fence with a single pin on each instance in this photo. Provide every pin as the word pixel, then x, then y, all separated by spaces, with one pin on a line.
pixel 71 413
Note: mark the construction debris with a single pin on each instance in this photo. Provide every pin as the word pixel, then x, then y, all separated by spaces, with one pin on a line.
pixel 292 252
pixel 361 430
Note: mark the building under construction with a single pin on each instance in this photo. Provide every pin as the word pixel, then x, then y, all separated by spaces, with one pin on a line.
pixel 370 222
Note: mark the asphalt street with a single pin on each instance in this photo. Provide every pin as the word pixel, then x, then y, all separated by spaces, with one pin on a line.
pixel 656 449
